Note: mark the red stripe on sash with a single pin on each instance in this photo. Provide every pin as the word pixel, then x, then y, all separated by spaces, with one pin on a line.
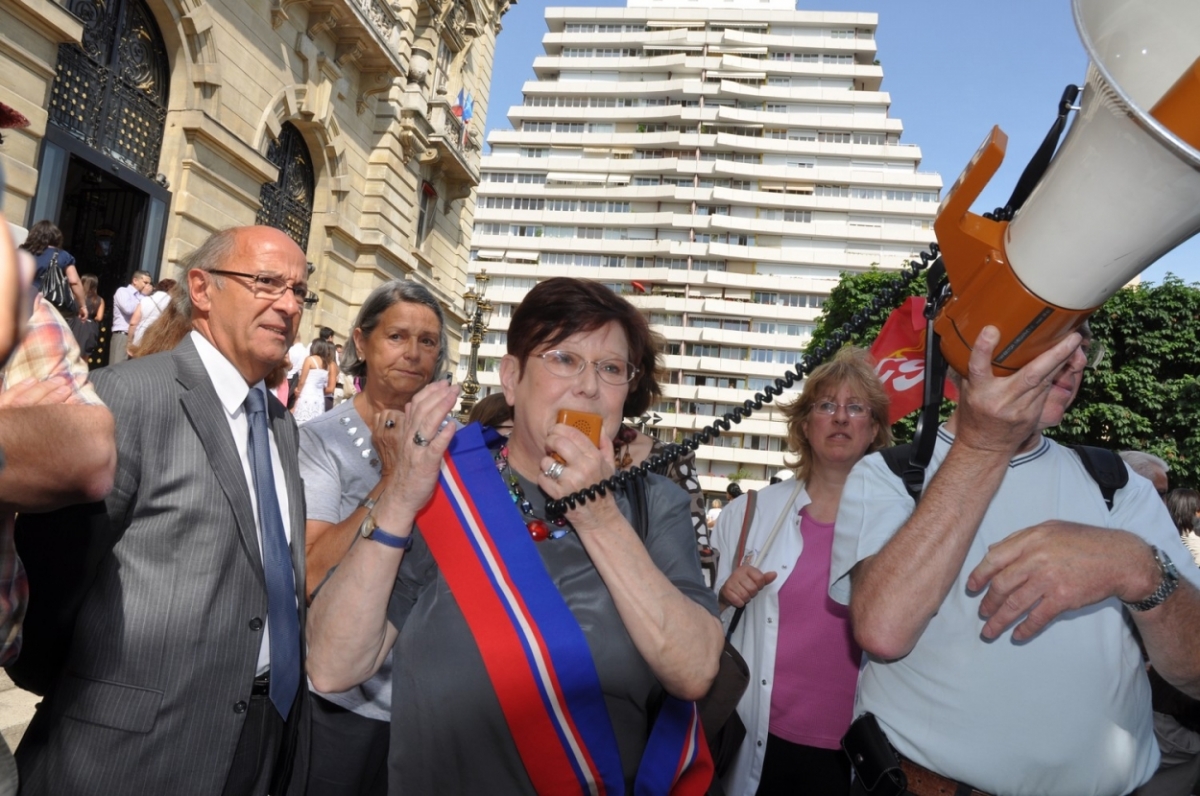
pixel 500 646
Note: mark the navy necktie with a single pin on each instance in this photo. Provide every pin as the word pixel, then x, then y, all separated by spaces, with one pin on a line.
pixel 283 620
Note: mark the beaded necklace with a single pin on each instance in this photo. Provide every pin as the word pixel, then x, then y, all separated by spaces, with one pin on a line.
pixel 538 528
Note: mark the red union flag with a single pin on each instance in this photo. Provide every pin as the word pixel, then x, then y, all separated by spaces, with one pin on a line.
pixel 900 352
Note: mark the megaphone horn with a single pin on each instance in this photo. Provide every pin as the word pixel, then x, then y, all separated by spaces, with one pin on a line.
pixel 1122 190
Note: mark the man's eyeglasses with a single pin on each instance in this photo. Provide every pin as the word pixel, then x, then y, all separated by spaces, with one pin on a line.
pixel 272 287
pixel 1094 351
pixel 830 408
pixel 611 371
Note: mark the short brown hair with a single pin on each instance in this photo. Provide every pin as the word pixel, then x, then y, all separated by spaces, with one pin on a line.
pixel 560 307
pixel 491 410
pixel 851 365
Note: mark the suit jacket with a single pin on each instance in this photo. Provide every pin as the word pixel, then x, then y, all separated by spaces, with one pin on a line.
pixel 163 656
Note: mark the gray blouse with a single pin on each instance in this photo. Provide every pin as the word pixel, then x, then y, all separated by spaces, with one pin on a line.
pixel 450 736
pixel 339 469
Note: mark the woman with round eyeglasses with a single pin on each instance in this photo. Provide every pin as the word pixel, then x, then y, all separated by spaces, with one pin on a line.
pixel 622 598
pixel 797 642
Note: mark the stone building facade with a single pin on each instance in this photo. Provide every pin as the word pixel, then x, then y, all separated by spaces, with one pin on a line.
pixel 156 122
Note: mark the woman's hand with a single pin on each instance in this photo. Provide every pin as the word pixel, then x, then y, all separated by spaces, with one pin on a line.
pixel 411 469
pixel 583 464
pixel 743 584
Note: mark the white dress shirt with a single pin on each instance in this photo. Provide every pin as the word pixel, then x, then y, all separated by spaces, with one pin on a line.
pixel 296 356
pixel 232 391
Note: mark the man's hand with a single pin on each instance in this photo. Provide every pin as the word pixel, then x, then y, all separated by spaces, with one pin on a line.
pixel 998 414
pixel 31 392
pixel 1056 566
pixel 743 584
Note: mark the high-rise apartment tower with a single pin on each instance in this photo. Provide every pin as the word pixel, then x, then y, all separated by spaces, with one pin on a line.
pixel 719 163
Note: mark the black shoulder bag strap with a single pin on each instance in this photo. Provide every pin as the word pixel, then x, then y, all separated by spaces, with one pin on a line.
pixel 751 502
pixel 1106 468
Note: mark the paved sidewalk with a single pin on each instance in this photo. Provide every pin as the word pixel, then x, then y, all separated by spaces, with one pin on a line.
pixel 16 710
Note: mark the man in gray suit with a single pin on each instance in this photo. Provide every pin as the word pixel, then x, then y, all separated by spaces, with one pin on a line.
pixel 184 672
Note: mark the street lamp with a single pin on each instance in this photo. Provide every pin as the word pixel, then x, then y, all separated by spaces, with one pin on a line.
pixel 479 312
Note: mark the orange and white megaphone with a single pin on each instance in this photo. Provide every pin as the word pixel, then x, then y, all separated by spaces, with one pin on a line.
pixel 1122 190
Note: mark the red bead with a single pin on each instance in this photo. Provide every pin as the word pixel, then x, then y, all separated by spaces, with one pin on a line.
pixel 538 530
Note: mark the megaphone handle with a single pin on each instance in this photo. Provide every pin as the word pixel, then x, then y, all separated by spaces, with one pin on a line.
pixel 1041 159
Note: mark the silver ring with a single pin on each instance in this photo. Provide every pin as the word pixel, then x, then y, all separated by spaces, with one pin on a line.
pixel 554 470
pixel 389 424
pixel 417 438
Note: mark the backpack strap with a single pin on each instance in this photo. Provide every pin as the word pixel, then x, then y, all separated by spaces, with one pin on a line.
pixel 899 460
pixel 1106 468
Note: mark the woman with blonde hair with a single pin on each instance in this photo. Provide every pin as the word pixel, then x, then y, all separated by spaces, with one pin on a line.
pixel 797 642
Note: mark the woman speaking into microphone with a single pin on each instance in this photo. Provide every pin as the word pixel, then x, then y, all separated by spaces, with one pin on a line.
pixel 532 654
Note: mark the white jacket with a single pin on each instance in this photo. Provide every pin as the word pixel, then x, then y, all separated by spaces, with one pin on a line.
pixel 757 633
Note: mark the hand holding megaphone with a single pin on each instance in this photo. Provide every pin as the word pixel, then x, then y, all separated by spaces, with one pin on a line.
pixel 1123 190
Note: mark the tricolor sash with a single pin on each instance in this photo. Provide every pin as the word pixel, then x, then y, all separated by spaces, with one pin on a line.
pixel 534 651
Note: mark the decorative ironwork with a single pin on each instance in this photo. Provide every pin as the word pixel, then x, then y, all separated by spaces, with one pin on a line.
pixel 287 204
pixel 111 93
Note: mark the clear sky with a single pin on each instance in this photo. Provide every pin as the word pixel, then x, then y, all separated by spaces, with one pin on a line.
pixel 953 68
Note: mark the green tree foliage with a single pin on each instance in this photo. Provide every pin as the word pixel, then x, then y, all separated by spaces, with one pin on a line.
pixel 855 291
pixel 1143 396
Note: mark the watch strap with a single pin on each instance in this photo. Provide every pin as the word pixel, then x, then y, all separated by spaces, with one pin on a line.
pixel 1168 584
pixel 369 529
pixel 391 539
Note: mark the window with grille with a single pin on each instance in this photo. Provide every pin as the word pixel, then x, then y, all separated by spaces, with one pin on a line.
pixel 426 211
pixel 287 203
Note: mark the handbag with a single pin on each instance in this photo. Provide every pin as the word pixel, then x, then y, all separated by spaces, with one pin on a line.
pixel 87 334
pixel 56 289
pixel 723 727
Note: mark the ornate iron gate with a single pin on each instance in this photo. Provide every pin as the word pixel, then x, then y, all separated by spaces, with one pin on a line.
pixel 111 93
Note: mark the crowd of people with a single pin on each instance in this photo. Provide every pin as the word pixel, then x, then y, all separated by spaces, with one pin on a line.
pixel 290 593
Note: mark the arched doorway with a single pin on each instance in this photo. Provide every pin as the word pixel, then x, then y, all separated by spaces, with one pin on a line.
pixel 287 203
pixel 98 174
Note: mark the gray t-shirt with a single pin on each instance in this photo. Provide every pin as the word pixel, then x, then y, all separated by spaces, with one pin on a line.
pixel 452 737
pixel 340 468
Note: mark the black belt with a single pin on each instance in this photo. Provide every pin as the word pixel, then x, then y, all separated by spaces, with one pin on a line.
pixel 262 685
pixel 122 331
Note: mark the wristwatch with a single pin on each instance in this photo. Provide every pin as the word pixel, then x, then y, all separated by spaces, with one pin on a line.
pixel 370 530
pixel 1170 582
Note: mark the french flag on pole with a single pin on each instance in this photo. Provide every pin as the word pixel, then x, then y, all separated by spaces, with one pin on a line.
pixel 468 110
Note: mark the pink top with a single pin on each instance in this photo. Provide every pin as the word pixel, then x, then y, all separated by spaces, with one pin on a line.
pixel 816 659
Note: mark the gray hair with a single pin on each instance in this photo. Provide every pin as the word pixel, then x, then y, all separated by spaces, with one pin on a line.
pixel 209 256
pixel 1144 464
pixel 380 301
